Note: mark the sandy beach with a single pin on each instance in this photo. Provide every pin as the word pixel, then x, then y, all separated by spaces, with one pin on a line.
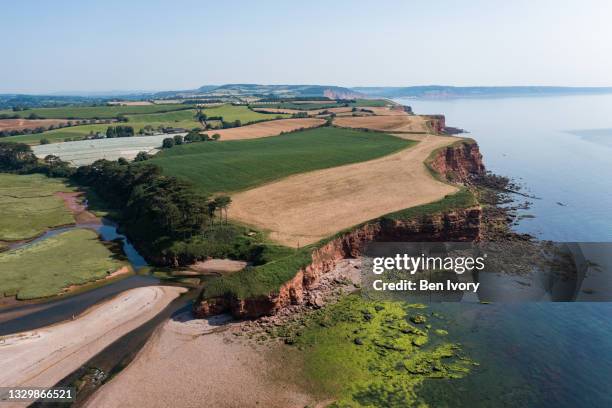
pixel 199 363
pixel 42 357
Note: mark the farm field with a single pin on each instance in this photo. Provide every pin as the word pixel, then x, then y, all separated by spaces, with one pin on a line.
pixel 264 129
pixel 92 112
pixel 241 164
pixel 306 208
pixel 59 135
pixel 29 206
pixel 47 267
pixel 299 106
pixel 231 113
pixel 87 151
pixel 183 119
pixel 19 124
pixel 390 123
pixel 312 112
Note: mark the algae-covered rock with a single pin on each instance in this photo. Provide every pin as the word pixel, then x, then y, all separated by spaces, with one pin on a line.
pixel 367 354
pixel 418 319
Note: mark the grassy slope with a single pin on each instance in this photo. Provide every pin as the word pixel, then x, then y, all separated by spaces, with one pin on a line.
pixel 29 207
pixel 182 118
pixel 230 113
pixel 45 268
pixel 241 164
pixel 90 112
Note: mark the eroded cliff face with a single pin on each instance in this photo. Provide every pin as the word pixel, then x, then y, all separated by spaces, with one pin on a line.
pixel 437 122
pixel 460 162
pixel 463 160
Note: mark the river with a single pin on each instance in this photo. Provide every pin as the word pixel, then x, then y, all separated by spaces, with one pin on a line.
pixel 538 354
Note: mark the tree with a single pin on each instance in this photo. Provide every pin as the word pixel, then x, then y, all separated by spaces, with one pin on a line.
pixel 110 132
pixel 222 203
pixel 193 136
pixel 122 161
pixel 237 123
pixel 142 156
pixel 16 156
pixel 216 136
pixel 178 139
pixel 168 143
pixel 44 141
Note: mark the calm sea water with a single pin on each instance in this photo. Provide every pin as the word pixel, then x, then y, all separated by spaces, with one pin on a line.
pixel 538 354
pixel 560 148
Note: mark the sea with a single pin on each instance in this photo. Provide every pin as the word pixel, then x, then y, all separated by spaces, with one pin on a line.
pixel 537 354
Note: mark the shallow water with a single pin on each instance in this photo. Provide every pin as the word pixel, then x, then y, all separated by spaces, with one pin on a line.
pixel 30 316
pixel 538 354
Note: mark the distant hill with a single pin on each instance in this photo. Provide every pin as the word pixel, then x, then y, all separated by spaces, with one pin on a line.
pixel 287 91
pixel 442 92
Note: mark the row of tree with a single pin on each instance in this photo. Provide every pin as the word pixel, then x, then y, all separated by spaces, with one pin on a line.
pixel 156 211
pixel 119 131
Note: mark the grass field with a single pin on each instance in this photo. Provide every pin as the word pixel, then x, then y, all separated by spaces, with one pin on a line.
pixel 360 103
pixel 183 118
pixel 91 112
pixel 241 164
pixel 47 267
pixel 29 207
pixel 58 135
pixel 231 113
pixel 297 106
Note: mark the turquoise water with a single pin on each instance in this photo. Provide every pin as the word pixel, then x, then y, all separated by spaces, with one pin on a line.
pixel 538 354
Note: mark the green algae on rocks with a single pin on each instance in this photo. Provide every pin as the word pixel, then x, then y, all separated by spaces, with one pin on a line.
pixel 369 354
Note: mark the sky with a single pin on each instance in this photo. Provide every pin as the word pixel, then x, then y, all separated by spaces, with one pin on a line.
pixel 78 46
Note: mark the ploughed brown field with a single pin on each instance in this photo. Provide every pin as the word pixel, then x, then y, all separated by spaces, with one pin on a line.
pixel 305 208
pixel 265 129
pixel 20 124
pixel 391 122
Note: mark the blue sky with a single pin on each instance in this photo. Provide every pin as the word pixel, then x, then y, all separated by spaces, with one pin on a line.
pixel 54 46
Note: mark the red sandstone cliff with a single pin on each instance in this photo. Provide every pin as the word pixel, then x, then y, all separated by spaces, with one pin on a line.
pixel 461 160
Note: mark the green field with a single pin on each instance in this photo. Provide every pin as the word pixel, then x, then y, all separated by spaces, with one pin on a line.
pixel 91 112
pixel 298 106
pixel 47 267
pixel 183 119
pixel 241 164
pixel 29 207
pixel 360 103
pixel 316 106
pixel 231 113
pixel 58 135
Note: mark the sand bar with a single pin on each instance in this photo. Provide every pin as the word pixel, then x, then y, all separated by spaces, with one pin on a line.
pixel 42 357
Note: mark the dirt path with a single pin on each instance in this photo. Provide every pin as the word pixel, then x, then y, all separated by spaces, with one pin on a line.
pixel 305 208
pixel 40 358
pixel 199 363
